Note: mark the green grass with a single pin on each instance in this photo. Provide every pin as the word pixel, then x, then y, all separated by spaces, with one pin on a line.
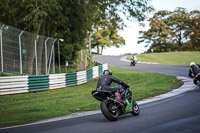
pixel 30 107
pixel 10 74
pixel 176 58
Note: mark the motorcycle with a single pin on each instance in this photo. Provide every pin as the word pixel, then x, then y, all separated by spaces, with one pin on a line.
pixel 133 62
pixel 197 80
pixel 112 108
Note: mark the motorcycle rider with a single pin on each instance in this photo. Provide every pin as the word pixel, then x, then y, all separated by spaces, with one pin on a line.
pixel 105 81
pixel 134 59
pixel 194 70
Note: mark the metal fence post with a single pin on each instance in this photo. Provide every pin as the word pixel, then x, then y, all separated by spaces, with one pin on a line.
pixel 59 53
pixel 20 51
pixel 59 56
pixel 50 59
pixel 54 69
pixel 1 47
pixel 51 55
pixel 36 67
pixel 46 53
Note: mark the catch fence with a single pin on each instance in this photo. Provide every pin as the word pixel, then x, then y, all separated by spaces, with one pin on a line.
pixel 26 53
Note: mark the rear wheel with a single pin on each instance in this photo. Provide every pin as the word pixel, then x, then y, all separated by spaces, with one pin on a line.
pixel 135 109
pixel 134 63
pixel 109 110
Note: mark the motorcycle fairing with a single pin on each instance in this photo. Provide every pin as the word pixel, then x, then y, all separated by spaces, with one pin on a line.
pixel 101 94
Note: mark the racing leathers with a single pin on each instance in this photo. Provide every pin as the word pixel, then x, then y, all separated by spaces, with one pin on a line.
pixel 105 82
pixel 194 69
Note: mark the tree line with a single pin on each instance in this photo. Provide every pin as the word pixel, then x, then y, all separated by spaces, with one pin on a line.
pixel 80 23
pixel 176 30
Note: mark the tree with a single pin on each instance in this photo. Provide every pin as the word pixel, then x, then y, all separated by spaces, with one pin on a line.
pixel 195 35
pixel 71 20
pixel 106 35
pixel 178 22
pixel 159 35
pixel 170 31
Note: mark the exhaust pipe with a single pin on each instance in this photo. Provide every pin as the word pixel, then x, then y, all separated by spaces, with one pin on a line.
pixel 115 101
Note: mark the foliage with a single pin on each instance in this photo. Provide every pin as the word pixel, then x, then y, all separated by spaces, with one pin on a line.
pixel 10 74
pixel 71 20
pixel 159 34
pixel 171 31
pixel 187 46
pixel 5 74
pixel 195 35
pixel 178 22
pixel 106 34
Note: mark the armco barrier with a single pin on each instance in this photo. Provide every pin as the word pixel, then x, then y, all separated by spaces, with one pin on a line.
pixel 57 81
pixel 38 83
pixel 71 79
pixel 24 84
pixel 13 84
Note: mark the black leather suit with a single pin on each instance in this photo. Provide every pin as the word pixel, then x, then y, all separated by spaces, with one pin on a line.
pixel 194 69
pixel 105 82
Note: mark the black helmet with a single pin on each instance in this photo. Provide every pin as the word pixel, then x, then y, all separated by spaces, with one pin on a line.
pixel 107 72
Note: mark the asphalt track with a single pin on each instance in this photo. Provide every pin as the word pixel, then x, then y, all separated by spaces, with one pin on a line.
pixel 116 61
pixel 179 114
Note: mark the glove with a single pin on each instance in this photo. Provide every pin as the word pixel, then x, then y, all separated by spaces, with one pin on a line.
pixel 126 85
pixel 120 90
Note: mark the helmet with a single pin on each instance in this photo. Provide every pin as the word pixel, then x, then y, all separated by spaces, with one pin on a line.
pixel 192 63
pixel 107 72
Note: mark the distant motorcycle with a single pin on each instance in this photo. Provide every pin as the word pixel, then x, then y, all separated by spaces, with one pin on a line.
pixel 133 63
pixel 112 108
pixel 197 80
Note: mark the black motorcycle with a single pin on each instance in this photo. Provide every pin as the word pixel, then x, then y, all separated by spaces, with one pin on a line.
pixel 112 108
pixel 133 62
pixel 197 80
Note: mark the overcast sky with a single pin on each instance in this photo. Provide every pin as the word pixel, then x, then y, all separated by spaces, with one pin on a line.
pixel 130 33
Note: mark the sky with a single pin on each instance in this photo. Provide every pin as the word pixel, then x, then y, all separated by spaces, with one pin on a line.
pixel 131 32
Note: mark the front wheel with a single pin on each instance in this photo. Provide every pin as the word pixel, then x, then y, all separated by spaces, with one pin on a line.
pixel 135 109
pixel 109 110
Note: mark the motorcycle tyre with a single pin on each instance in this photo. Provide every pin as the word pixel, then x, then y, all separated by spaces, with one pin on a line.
pixel 135 112
pixel 106 112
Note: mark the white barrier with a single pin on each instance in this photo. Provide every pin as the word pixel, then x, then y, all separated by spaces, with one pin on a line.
pixel 57 81
pixel 13 85
pixel 24 84
pixel 81 77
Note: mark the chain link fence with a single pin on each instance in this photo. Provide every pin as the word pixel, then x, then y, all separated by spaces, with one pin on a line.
pixel 25 53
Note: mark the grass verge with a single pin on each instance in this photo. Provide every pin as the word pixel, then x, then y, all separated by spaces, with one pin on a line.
pixel 175 58
pixel 30 107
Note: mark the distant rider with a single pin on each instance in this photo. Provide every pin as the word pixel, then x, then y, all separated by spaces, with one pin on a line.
pixel 134 58
pixel 194 70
